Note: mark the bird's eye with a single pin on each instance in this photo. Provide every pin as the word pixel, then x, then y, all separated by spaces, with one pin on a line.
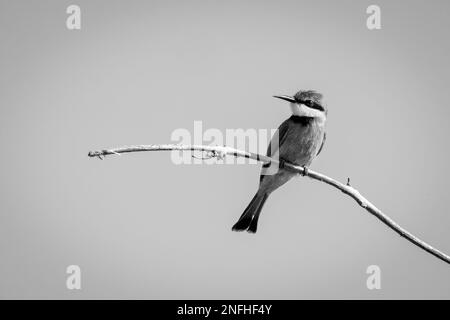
pixel 309 103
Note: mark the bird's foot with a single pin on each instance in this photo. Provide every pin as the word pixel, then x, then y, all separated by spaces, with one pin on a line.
pixel 282 164
pixel 305 171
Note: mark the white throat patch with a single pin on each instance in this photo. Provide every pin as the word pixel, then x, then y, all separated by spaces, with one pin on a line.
pixel 301 110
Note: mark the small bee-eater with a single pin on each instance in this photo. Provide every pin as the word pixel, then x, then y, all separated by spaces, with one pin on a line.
pixel 300 139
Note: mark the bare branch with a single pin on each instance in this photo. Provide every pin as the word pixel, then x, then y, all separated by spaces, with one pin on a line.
pixel 221 151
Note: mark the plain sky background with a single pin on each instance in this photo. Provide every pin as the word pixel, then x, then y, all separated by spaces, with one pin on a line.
pixel 141 227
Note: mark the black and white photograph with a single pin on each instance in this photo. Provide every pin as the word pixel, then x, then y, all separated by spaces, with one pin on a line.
pixel 212 150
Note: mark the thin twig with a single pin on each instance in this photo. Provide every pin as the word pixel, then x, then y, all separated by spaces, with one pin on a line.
pixel 220 152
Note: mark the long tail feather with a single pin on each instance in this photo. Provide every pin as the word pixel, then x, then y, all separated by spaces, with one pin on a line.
pixel 249 219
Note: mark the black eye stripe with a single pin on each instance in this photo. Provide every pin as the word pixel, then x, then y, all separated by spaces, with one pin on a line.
pixel 313 105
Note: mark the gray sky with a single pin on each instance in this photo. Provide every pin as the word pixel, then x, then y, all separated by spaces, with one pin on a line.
pixel 141 227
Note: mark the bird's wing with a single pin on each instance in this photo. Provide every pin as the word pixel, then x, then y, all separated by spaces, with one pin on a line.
pixel 281 135
pixel 323 142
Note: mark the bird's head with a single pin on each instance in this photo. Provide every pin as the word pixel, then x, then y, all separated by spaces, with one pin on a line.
pixel 306 103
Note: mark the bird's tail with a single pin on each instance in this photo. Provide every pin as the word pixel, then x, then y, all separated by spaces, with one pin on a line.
pixel 249 219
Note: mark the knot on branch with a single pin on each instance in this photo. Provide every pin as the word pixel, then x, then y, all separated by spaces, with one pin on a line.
pixel 219 153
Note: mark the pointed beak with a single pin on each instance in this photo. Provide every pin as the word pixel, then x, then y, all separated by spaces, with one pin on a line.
pixel 287 98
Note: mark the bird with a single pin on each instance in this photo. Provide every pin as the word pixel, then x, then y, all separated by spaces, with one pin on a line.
pixel 298 141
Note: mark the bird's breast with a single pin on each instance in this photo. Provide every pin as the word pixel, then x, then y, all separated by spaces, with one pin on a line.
pixel 302 142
